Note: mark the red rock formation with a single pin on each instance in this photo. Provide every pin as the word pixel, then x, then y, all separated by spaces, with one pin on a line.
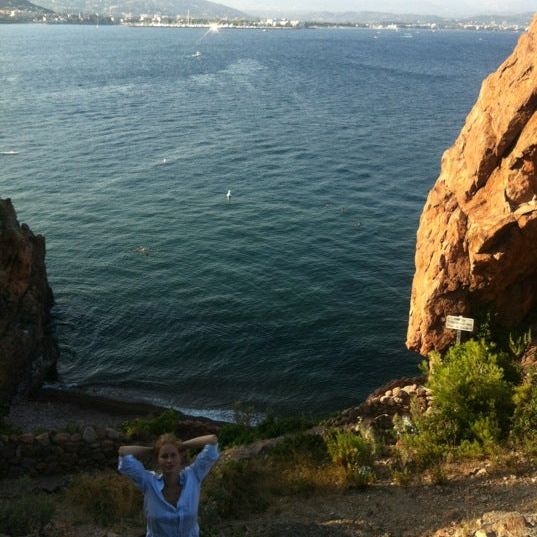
pixel 28 351
pixel 477 238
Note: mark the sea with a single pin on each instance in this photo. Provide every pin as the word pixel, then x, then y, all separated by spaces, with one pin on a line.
pixel 291 295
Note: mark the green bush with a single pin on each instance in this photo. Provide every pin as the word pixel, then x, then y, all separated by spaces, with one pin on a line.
pixel 299 449
pixel 106 496
pixel 471 393
pixel 354 453
pixel 149 428
pixel 24 515
pixel 234 489
pixel 72 428
pixel 348 449
pixel 518 343
pixel 423 443
pixel 470 413
pixel 236 434
pixel 524 426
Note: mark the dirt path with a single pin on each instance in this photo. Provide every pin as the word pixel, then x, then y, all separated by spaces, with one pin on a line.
pixel 386 510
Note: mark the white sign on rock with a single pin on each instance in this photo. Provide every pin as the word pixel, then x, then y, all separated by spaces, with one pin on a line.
pixel 458 322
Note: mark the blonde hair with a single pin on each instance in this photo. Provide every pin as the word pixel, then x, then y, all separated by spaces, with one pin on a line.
pixel 166 438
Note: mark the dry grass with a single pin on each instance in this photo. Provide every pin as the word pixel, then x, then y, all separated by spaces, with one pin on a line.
pixel 107 497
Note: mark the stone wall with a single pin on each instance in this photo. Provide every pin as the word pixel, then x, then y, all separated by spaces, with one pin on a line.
pixel 379 409
pixel 55 452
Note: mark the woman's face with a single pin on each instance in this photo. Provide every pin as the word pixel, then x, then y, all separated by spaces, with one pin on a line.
pixel 169 459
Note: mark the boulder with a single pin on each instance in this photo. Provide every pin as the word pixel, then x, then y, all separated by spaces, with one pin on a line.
pixel 28 350
pixel 477 238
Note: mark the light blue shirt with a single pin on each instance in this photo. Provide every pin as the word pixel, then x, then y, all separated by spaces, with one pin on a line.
pixel 163 518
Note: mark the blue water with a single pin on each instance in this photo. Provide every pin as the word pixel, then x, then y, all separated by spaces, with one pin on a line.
pixel 294 294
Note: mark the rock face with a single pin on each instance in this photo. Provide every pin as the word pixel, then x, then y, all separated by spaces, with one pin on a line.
pixel 477 238
pixel 28 351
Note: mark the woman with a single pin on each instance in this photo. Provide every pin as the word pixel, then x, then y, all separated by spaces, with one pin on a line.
pixel 170 498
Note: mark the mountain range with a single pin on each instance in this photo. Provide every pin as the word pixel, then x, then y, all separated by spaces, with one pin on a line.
pixel 372 17
pixel 21 5
pixel 211 10
pixel 196 8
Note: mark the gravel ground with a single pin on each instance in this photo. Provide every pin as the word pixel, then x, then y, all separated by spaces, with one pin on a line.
pixel 55 415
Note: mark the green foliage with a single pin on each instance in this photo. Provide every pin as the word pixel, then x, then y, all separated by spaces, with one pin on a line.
pixel 518 343
pixel 486 325
pixel 486 431
pixel 235 434
pixel 299 449
pixel 235 489
pixel 469 450
pixel 149 428
pixel 72 428
pixel 298 465
pixel 107 497
pixel 424 445
pixel 524 426
pixel 360 476
pixel 24 515
pixel 348 449
pixel 470 414
pixel 471 392
pixel 243 414
pixel 354 453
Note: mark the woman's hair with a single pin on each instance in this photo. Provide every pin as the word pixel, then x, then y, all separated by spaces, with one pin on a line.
pixel 163 439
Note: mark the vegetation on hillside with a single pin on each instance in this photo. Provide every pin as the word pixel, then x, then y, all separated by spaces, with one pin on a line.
pixel 484 406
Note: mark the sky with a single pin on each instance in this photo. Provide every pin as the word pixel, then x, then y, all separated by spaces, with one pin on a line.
pixel 422 7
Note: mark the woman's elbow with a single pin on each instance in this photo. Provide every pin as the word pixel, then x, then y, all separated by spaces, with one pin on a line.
pixel 213 439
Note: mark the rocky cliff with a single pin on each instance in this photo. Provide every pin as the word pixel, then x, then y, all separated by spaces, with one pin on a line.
pixel 28 351
pixel 477 238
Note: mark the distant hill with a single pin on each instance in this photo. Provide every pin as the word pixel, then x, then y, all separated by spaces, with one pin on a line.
pixel 522 18
pixel 196 8
pixel 21 5
pixel 372 17
pixel 365 17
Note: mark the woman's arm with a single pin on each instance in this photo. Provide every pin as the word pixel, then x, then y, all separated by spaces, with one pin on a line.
pixel 136 451
pixel 199 441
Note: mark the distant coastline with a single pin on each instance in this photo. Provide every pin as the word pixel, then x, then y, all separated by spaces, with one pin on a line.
pixel 9 16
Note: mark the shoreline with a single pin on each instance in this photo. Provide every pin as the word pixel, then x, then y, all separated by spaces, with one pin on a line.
pixel 53 408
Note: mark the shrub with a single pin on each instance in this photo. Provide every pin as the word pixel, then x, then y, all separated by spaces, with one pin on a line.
pixel 146 429
pixel 348 449
pixel 354 454
pixel 243 414
pixel 299 465
pixel 301 448
pixel 524 427
pixel 234 489
pixel 236 434
pixel 24 515
pixel 470 391
pixel 107 497
pixel 518 343
pixel 72 428
pixel 424 445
